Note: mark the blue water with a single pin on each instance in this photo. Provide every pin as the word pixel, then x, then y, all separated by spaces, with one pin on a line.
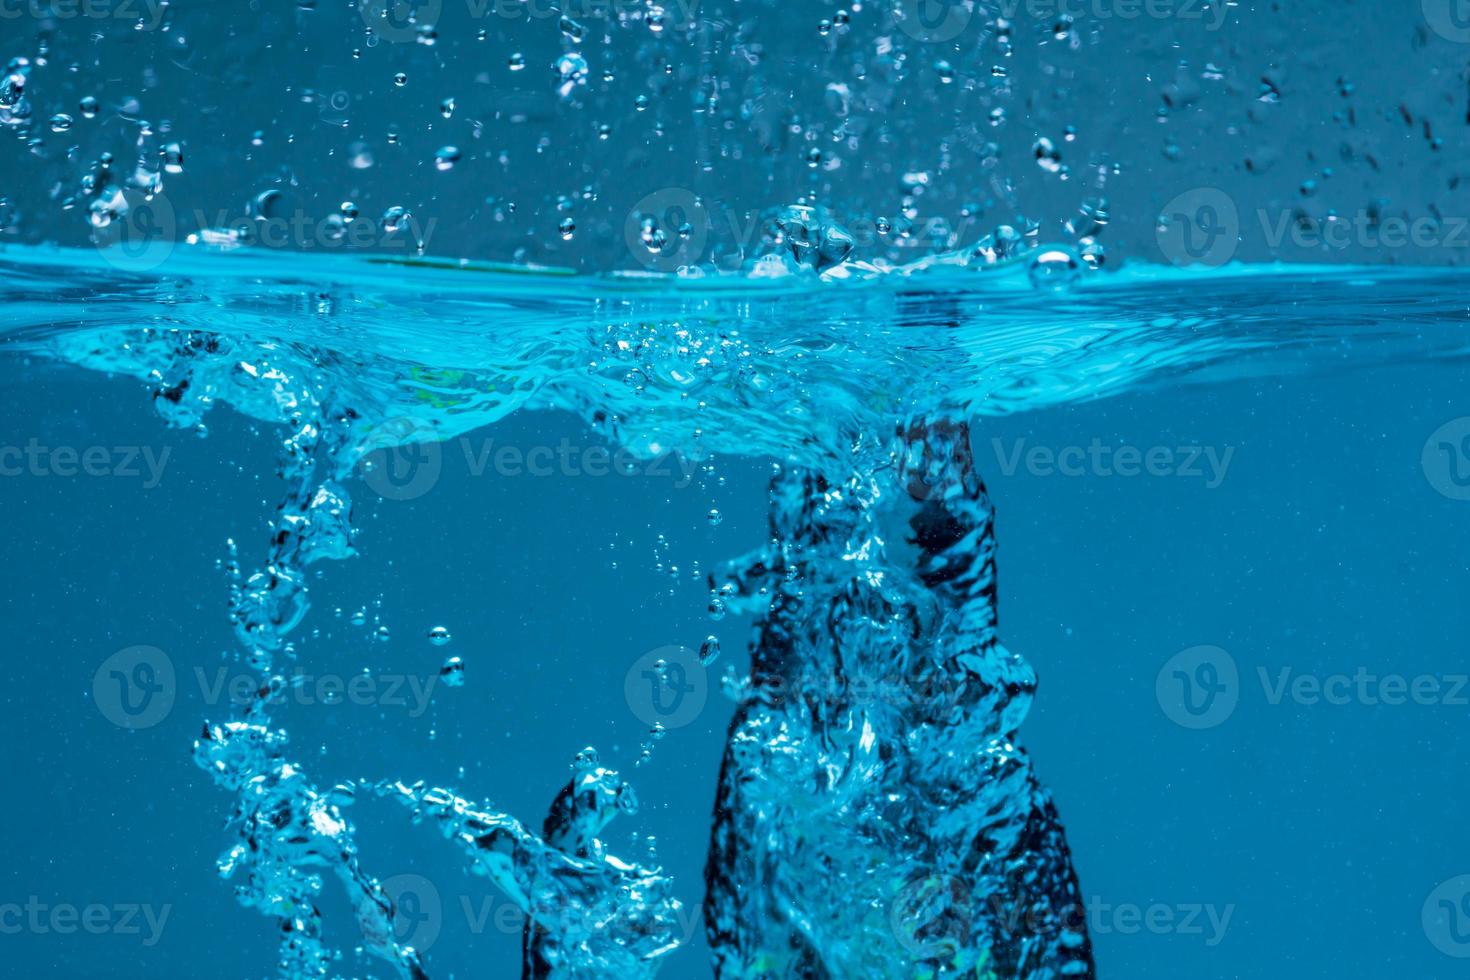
pixel 1170 487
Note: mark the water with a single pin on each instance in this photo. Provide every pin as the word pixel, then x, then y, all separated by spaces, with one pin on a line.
pixel 1202 478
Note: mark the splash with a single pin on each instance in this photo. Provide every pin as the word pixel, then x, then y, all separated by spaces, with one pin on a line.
pixel 876 815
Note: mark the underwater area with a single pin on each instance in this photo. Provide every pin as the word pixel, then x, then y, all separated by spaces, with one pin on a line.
pixel 727 489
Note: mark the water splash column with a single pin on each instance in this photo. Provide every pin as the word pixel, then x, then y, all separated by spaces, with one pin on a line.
pixel 875 816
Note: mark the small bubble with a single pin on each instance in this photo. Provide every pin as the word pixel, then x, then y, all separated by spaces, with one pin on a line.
pixel 709 650
pixel 446 157
pixel 395 218
pixel 568 228
pixel 400 79
pixel 1055 269
pixel 90 107
pixel 452 672
pixel 60 122
pixel 439 636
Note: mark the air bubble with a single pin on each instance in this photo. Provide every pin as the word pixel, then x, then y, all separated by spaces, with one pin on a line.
pixel 452 673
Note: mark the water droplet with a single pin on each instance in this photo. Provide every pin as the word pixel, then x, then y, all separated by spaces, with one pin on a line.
pixel 395 218
pixel 1048 157
pixel 452 673
pixel 572 70
pixel 1055 269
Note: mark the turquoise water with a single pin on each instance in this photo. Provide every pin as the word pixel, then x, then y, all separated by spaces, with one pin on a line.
pixel 875 815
